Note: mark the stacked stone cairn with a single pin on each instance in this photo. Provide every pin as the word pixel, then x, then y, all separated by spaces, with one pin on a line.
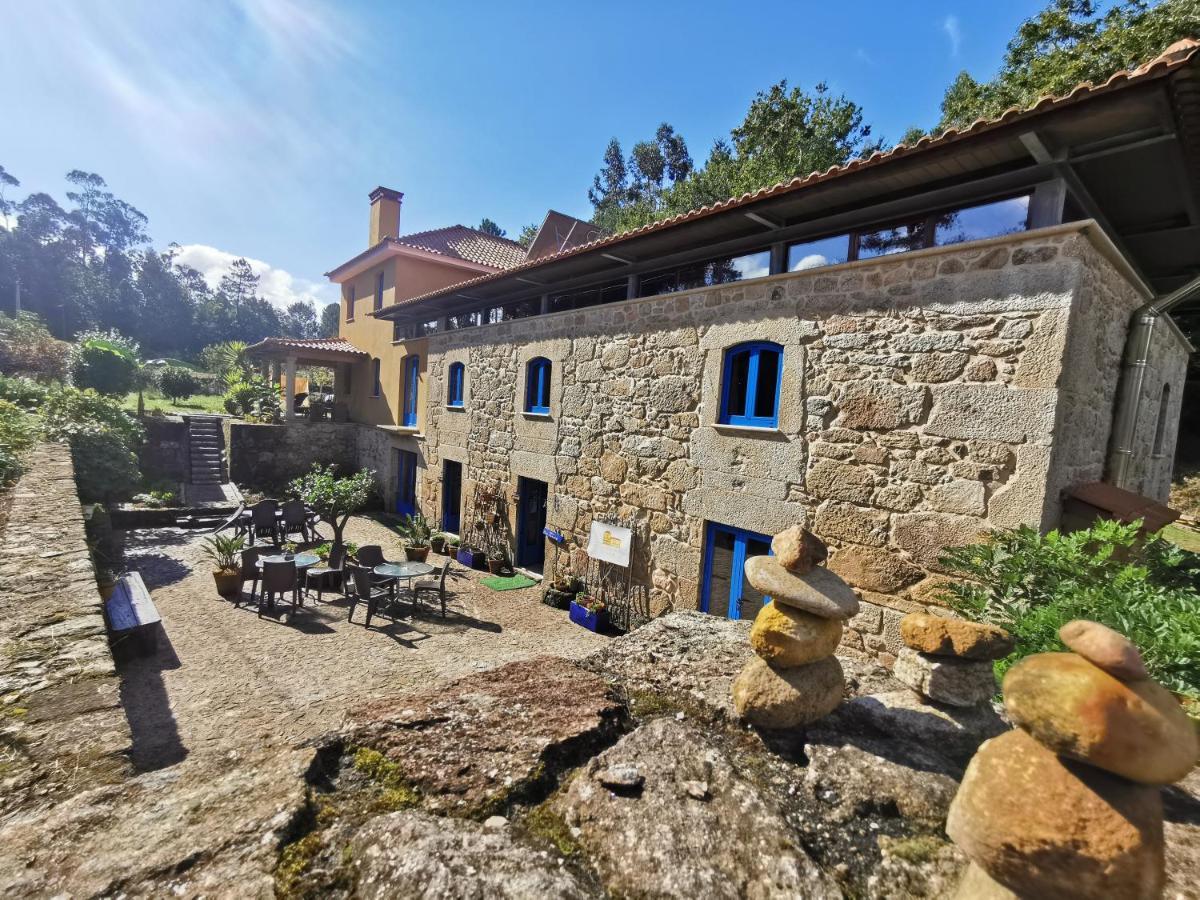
pixel 794 679
pixel 950 660
pixel 1068 804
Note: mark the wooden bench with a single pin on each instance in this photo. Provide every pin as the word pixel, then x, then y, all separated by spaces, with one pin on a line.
pixel 132 616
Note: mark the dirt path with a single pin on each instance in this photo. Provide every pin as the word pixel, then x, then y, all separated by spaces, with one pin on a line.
pixel 226 682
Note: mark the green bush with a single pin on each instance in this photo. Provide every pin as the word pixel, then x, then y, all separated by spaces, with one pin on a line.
pixel 28 348
pixel 18 431
pixel 68 411
pixel 105 361
pixel 255 398
pixel 177 384
pixel 106 468
pixel 1032 584
pixel 24 392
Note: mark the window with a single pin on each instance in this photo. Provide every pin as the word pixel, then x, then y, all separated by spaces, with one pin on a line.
pixel 377 389
pixel 725 590
pixel 411 377
pixel 454 385
pixel 1160 430
pixel 824 252
pixel 750 385
pixel 464 320
pixel 717 271
pixel 986 220
pixel 612 292
pixel 379 291
pixel 350 304
pixel 899 238
pixel 537 386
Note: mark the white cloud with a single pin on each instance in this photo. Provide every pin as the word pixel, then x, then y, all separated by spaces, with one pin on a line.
pixel 812 261
pixel 279 286
pixel 953 31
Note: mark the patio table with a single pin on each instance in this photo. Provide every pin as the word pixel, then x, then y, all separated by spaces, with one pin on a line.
pixel 302 560
pixel 406 570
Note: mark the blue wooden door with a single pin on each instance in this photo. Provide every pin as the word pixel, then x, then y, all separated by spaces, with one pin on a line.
pixel 451 495
pixel 406 482
pixel 725 590
pixel 531 519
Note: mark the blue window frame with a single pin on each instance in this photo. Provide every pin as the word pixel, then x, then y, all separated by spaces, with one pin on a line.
pixel 750 381
pixel 537 386
pixel 454 385
pixel 379 291
pixel 724 590
pixel 377 387
pixel 406 483
pixel 411 375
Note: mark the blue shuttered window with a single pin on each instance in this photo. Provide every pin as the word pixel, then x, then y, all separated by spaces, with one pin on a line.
pixel 411 373
pixel 537 386
pixel 750 382
pixel 454 385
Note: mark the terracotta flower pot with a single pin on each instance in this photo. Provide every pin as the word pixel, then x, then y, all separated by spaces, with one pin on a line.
pixel 416 554
pixel 495 566
pixel 438 545
pixel 229 582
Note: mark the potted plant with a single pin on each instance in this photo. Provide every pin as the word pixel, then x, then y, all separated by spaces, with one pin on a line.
pixel 587 611
pixel 224 551
pixel 471 557
pixel 498 559
pixel 438 542
pixel 416 533
pixel 562 591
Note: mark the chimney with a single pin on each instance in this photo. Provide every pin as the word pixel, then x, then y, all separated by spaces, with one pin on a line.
pixel 385 214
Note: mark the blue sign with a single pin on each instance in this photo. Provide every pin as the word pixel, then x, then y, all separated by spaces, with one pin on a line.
pixel 553 534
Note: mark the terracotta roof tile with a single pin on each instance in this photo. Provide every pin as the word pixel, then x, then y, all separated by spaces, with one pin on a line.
pixel 1175 56
pixel 335 345
pixel 467 244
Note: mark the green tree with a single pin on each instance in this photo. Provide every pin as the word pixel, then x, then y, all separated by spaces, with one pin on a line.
pixel 528 233
pixel 1067 43
pixel 177 383
pixel 7 207
pixel 299 320
pixel 330 320
pixel 28 348
pixel 334 499
pixel 487 226
pixel 105 361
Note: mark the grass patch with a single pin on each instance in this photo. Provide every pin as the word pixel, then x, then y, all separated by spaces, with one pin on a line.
pixel 294 863
pixel 397 793
pixel 199 403
pixel 1183 537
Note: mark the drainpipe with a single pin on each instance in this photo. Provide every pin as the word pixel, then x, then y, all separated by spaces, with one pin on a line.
pixel 1133 376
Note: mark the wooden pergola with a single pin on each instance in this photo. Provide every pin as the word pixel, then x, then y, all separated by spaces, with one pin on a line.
pixel 281 356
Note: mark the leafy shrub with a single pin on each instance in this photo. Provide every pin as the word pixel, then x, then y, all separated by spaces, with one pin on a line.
pixel 334 499
pixel 18 431
pixel 177 383
pixel 28 348
pixel 105 361
pixel 24 392
pixel 68 411
pixel 1032 584
pixel 227 360
pixel 254 398
pixel 103 440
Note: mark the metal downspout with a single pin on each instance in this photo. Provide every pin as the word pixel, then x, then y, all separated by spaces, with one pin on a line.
pixel 1133 376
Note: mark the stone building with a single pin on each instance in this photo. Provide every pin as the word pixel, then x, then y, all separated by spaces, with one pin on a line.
pixel 900 353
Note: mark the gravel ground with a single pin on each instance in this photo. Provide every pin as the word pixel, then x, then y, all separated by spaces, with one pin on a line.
pixel 227 682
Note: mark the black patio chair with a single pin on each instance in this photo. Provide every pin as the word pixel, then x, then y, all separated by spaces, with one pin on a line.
pixel 235 521
pixel 436 586
pixel 294 520
pixel 263 521
pixel 277 579
pixel 370 556
pixel 332 573
pixel 366 591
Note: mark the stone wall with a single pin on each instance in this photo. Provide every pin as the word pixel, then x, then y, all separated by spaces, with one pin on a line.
pixel 920 405
pixel 63 729
pixel 164 453
pixel 269 456
pixel 1151 466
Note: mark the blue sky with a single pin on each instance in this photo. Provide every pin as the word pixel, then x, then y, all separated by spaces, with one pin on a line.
pixel 257 127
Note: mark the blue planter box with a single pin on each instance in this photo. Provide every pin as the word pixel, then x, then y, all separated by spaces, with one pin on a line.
pixel 580 616
pixel 471 560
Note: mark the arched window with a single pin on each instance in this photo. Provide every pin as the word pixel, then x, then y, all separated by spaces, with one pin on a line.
pixel 537 386
pixel 454 385
pixel 411 373
pixel 750 385
pixel 1160 430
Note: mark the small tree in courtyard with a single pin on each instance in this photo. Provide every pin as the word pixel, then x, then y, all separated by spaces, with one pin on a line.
pixel 334 499
pixel 105 361
pixel 177 383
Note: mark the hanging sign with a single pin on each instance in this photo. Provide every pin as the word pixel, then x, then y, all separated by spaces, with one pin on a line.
pixel 554 534
pixel 610 543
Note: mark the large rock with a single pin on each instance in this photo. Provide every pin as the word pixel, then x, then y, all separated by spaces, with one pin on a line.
pixel 945 636
pixel 1103 647
pixel 797 549
pixel 861 775
pixel 411 854
pixel 688 656
pixel 874 568
pixel 1136 729
pixel 955 731
pixel 468 746
pixel 787 637
pixel 773 698
pixel 1047 828
pixel 820 592
pixel 957 682
pixel 694 828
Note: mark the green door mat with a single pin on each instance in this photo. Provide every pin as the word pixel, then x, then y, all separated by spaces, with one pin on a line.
pixel 511 583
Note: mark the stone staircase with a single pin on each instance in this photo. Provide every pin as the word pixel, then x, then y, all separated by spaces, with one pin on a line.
pixel 206 449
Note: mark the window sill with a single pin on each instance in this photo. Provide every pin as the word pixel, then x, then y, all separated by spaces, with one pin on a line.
pixel 536 415
pixel 460 407
pixel 403 430
pixel 762 431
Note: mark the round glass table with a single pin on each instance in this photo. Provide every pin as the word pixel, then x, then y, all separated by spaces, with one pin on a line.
pixel 405 570
pixel 302 560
